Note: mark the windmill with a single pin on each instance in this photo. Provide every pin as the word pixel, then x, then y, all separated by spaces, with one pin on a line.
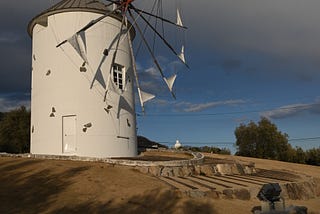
pixel 82 98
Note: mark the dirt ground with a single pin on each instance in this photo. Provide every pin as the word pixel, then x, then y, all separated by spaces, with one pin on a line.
pixel 55 186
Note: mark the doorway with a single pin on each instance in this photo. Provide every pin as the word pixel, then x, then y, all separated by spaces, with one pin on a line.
pixel 69 133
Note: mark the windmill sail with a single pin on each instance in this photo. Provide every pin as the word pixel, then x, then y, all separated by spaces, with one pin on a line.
pixel 181 55
pixel 179 21
pixel 145 97
pixel 74 42
pixel 99 77
pixel 83 38
pixel 170 81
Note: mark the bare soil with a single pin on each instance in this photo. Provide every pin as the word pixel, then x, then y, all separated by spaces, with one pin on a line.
pixel 55 186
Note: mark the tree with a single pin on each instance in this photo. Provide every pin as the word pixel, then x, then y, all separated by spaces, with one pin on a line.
pixel 262 140
pixel 15 131
pixel 313 156
pixel 1 116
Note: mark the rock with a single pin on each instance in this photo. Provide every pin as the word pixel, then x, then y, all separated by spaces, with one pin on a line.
pixel 228 193
pixel 300 191
pixel 249 170
pixel 206 170
pixel 155 170
pixel 213 194
pixel 297 210
pixel 197 170
pixel 143 169
pixel 188 170
pixel 316 182
pixel 228 169
pixel 167 171
pixel 242 194
pixel 196 193
pixel 177 171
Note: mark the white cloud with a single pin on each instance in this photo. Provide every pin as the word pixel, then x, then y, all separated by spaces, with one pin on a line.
pixel 152 72
pixel 293 110
pixel 195 107
pixel 203 106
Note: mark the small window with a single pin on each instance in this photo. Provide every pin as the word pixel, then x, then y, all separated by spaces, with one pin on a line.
pixel 118 76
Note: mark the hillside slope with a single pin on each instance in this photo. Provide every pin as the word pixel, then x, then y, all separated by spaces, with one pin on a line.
pixel 55 186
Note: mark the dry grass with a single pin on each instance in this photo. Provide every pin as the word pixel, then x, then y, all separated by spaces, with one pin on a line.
pixel 52 186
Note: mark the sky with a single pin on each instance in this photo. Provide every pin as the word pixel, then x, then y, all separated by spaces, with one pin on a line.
pixel 247 59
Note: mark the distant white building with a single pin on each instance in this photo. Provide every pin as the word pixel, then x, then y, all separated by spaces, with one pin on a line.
pixel 177 145
pixel 71 113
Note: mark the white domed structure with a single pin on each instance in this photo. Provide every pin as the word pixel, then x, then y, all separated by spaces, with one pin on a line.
pixel 82 100
pixel 178 145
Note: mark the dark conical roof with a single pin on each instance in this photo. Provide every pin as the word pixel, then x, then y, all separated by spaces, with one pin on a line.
pixel 84 4
pixel 68 6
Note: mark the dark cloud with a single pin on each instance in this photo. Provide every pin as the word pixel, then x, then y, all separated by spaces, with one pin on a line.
pixel 273 37
pixel 276 29
pixel 15 43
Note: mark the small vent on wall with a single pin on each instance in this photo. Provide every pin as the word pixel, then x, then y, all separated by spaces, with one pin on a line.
pixel 128 123
pixel 83 68
pixel 86 126
pixel 53 110
pixel 109 107
pixel 106 52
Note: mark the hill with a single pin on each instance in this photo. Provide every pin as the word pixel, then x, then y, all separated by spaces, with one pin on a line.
pixel 145 143
pixel 55 186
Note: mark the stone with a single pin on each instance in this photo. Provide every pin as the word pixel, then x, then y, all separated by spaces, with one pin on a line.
pixel 188 170
pixel 228 193
pixel 242 194
pixel 213 194
pixel 143 169
pixel 155 170
pixel 206 170
pixel 197 170
pixel 196 193
pixel 167 171
pixel 177 171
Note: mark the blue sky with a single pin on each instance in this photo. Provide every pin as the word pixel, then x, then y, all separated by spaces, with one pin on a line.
pixel 247 59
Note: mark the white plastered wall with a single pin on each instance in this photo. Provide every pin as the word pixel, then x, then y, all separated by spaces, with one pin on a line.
pixel 58 83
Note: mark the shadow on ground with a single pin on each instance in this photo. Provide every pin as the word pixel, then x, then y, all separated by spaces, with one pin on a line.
pixel 32 186
pixel 152 202
pixel 30 191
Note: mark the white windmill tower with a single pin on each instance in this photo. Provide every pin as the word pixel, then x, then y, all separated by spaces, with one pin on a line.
pixel 82 99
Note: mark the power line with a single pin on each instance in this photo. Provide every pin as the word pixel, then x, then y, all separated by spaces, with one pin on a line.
pixel 304 139
pixel 214 114
pixel 197 143
pixel 231 143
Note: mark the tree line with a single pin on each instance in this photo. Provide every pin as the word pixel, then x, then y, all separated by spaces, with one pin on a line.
pixel 259 140
pixel 15 131
pixel 264 140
